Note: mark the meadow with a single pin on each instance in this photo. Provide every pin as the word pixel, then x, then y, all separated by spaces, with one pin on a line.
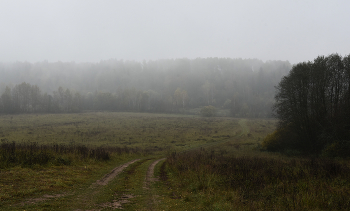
pixel 212 164
pixel 144 130
pixel 50 153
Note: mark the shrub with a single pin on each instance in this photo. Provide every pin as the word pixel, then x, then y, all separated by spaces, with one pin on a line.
pixel 28 154
pixel 208 111
pixel 337 149
pixel 271 142
pixel 280 139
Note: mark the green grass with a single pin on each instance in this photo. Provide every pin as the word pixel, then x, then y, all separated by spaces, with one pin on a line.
pixel 178 132
pixel 212 164
pixel 207 180
pixel 131 182
pixel 148 136
pixel 20 185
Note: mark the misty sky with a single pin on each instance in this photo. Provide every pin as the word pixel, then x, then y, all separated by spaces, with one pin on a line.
pixel 90 31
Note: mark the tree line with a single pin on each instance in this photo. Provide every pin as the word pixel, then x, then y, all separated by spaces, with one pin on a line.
pixel 243 86
pixel 313 107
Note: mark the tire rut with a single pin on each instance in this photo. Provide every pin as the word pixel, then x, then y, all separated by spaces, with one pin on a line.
pixel 95 188
pixel 153 197
pixel 108 177
pixel 150 172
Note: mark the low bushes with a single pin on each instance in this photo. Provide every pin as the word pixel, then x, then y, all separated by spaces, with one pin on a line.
pixel 260 183
pixel 208 111
pixel 281 139
pixel 337 149
pixel 272 142
pixel 31 153
pixel 285 141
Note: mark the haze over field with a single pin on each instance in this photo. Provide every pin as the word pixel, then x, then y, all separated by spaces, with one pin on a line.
pixel 182 105
pixel 90 31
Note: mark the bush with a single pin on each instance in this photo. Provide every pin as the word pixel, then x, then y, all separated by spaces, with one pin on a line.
pixel 27 154
pixel 280 140
pixel 337 149
pixel 271 142
pixel 208 111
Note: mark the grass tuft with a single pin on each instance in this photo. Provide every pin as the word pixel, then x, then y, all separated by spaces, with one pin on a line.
pixel 213 180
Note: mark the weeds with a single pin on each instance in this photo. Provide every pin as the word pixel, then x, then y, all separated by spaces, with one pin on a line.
pixel 27 154
pixel 260 182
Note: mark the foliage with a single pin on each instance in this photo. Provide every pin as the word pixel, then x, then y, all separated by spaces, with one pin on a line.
pixel 31 153
pixel 205 179
pixel 313 102
pixel 281 139
pixel 272 142
pixel 337 149
pixel 208 111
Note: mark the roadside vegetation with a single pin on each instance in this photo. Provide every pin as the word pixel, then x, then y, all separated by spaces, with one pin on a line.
pixel 29 154
pixel 214 180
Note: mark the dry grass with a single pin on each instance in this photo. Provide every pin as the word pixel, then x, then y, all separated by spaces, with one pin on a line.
pixel 151 131
pixel 143 134
pixel 207 180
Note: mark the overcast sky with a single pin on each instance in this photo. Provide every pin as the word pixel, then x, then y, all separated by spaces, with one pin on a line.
pixel 90 31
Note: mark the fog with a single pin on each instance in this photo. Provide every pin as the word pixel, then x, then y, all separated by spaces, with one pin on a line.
pixel 242 88
pixel 91 31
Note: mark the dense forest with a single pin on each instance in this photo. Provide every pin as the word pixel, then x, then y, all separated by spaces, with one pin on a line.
pixel 313 108
pixel 243 86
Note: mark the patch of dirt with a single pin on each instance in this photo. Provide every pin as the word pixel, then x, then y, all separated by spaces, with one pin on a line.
pixel 108 177
pixel 150 172
pixel 117 204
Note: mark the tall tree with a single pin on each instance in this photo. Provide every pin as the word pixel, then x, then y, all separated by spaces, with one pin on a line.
pixel 6 99
pixel 312 102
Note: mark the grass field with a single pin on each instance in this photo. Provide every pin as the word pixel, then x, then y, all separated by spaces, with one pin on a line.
pixel 144 134
pixel 212 164
pixel 118 129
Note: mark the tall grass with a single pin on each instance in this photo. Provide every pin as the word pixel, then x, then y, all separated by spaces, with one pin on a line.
pixel 253 183
pixel 31 153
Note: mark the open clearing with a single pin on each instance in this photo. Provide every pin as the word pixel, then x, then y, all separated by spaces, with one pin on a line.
pixel 74 187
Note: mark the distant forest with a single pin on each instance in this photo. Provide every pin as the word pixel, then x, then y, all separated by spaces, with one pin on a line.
pixel 245 87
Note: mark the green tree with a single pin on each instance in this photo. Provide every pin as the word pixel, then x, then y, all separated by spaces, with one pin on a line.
pixel 36 98
pixel 208 90
pixel 312 103
pixel 181 97
pixel 6 99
